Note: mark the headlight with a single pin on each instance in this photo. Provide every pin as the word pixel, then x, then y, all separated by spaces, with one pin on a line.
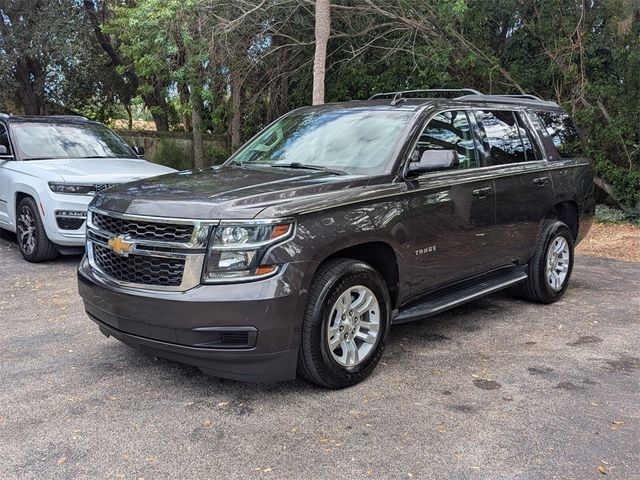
pixel 71 188
pixel 236 249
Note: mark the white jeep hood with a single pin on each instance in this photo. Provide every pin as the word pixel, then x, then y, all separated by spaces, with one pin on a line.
pixel 101 170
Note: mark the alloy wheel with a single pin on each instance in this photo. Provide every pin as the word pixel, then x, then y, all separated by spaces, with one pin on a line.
pixel 27 230
pixel 353 326
pixel 557 265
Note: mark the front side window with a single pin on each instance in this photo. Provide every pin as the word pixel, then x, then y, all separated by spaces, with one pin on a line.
pixel 43 141
pixel 563 133
pixel 503 136
pixel 353 141
pixel 4 139
pixel 450 131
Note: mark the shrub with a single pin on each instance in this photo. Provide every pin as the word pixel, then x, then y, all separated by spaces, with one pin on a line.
pixel 171 154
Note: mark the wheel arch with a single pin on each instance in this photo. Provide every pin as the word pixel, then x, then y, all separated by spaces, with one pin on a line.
pixel 381 256
pixel 568 213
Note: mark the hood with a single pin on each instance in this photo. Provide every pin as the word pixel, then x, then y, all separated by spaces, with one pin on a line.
pixel 222 192
pixel 100 170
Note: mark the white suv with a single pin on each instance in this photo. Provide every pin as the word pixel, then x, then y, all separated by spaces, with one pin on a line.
pixel 50 169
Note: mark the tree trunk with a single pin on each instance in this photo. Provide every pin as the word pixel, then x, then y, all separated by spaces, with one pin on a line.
pixel 196 121
pixel 30 93
pixel 323 29
pixel 183 90
pixel 236 119
pixel 127 107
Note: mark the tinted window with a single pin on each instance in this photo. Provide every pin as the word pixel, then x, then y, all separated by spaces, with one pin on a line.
pixel 48 141
pixel 352 140
pixel 563 134
pixel 450 131
pixel 502 136
pixel 4 138
pixel 531 148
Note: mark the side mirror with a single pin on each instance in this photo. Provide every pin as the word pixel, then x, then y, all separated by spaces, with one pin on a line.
pixel 139 151
pixel 433 160
pixel 3 151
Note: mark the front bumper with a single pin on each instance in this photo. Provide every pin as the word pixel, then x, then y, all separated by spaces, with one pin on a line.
pixel 52 202
pixel 186 326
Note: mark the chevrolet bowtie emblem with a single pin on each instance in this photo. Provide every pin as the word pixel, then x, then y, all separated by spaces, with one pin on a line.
pixel 120 246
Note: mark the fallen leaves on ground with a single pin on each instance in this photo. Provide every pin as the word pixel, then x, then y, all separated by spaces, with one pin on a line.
pixel 620 242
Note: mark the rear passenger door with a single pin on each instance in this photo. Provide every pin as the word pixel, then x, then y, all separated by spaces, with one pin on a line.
pixel 451 212
pixel 523 186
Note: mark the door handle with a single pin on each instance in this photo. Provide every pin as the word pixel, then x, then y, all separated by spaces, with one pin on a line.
pixel 540 181
pixel 481 192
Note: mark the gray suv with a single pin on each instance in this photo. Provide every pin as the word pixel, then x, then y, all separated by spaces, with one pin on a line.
pixel 298 254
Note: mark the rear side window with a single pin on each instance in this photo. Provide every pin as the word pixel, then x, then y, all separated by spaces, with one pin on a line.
pixel 504 136
pixel 450 131
pixel 563 134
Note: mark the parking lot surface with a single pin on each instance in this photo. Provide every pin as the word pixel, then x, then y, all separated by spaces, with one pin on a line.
pixel 498 388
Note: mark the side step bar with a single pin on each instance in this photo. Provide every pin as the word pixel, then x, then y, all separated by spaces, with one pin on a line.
pixel 445 299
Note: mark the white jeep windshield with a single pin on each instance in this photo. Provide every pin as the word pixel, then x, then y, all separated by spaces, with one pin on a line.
pixel 37 141
pixel 349 140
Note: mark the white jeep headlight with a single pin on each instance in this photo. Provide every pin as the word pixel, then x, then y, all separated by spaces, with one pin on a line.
pixel 236 249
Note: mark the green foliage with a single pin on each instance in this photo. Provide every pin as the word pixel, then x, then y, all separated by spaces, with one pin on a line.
pixel 585 55
pixel 217 156
pixel 625 182
pixel 171 153
pixel 605 214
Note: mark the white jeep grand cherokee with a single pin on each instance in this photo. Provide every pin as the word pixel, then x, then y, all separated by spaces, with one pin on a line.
pixel 50 169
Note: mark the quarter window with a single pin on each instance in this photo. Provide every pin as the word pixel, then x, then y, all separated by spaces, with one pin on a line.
pixel 563 133
pixel 450 131
pixel 504 136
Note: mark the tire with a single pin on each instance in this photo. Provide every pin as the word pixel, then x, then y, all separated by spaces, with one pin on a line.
pixel 33 242
pixel 538 286
pixel 338 280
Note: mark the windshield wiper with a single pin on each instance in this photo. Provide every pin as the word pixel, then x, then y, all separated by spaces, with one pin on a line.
pixel 306 166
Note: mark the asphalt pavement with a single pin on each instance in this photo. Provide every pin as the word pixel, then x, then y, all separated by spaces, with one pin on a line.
pixel 498 388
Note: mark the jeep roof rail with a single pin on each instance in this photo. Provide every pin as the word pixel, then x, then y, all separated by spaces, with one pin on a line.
pixel 70 117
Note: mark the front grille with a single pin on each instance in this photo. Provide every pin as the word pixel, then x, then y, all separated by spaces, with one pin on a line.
pixel 163 232
pixel 66 223
pixel 158 271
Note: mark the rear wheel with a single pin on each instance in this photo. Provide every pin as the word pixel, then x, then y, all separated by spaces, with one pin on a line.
pixel 346 324
pixel 551 265
pixel 34 245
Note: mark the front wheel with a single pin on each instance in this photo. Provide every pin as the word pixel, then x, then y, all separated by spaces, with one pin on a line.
pixel 551 265
pixel 34 245
pixel 346 324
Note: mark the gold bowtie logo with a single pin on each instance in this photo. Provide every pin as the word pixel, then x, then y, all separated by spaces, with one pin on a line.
pixel 120 246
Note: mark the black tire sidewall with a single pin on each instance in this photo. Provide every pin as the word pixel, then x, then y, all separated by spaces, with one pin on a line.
pixel 553 231
pixel 353 273
pixel 44 249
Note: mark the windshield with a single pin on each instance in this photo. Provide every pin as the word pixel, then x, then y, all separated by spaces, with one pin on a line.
pixel 53 140
pixel 348 140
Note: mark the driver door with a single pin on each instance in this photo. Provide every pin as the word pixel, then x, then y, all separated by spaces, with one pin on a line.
pixel 451 212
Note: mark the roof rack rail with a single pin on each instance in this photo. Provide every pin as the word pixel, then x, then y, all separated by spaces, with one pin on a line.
pixel 401 96
pixel 532 99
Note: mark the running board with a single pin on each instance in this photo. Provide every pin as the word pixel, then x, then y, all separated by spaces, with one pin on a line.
pixel 445 299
